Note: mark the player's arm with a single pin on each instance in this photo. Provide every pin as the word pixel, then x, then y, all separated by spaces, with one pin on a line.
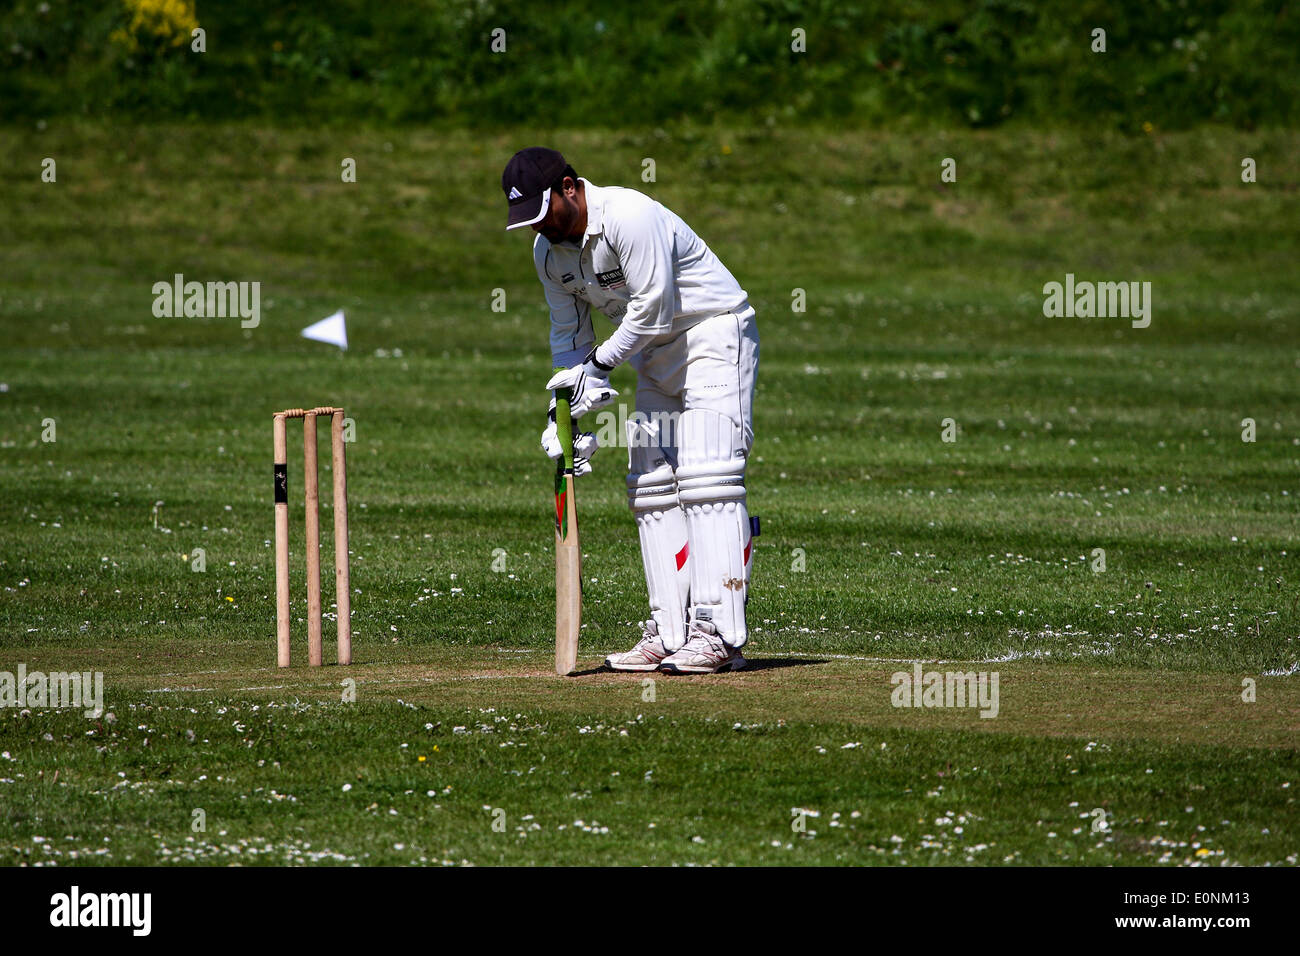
pixel 573 343
pixel 643 240
pixel 572 335
pixel 644 244
pixel 572 338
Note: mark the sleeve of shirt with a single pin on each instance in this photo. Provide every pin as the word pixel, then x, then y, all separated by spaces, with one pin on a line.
pixel 572 335
pixel 643 241
pixel 622 345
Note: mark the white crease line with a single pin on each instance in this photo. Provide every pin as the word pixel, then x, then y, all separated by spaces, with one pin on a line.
pixel 179 690
pixel 890 660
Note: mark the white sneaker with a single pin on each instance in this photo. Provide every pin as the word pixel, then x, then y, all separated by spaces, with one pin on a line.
pixel 704 653
pixel 647 654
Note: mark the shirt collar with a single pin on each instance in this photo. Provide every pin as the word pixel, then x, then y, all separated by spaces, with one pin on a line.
pixel 595 209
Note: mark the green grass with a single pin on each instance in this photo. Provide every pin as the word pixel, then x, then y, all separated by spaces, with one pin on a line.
pixel 609 768
pixel 924 303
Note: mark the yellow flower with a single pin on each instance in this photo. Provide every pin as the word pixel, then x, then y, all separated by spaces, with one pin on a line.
pixel 1147 127
pixel 229 598
pixel 421 758
pixel 726 150
pixel 157 22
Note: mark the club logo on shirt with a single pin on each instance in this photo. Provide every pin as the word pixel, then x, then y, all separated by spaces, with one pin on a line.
pixel 612 279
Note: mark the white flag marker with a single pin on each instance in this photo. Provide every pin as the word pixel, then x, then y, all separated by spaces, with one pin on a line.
pixel 332 331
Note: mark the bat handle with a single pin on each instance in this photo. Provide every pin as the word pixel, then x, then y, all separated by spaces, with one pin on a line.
pixel 564 424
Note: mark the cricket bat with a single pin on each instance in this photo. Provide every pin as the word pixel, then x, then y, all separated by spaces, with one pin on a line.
pixel 568 553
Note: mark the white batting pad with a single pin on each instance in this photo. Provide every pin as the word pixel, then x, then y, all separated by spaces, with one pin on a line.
pixel 652 496
pixel 711 488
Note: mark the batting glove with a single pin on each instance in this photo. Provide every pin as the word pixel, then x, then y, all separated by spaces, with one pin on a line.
pixel 584 445
pixel 588 385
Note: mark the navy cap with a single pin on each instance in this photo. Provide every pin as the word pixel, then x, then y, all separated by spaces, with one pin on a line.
pixel 527 184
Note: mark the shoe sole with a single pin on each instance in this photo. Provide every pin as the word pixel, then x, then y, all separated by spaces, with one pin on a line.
pixel 731 665
pixel 631 668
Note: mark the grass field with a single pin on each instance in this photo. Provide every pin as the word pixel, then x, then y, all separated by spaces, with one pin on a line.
pixel 881 544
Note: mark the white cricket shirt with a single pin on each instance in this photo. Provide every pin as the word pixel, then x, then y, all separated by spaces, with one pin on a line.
pixel 639 264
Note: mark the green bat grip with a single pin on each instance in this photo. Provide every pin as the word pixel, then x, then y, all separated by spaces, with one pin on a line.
pixel 564 424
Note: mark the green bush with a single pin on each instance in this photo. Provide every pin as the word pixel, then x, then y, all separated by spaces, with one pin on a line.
pixel 1171 63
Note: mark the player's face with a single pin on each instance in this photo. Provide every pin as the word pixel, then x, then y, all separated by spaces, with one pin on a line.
pixel 562 217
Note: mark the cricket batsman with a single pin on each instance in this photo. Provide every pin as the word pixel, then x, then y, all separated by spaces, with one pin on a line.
pixel 684 323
